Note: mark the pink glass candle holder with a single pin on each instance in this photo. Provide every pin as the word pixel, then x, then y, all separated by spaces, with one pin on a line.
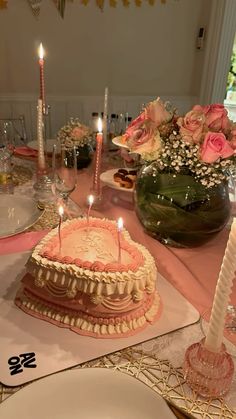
pixel 208 373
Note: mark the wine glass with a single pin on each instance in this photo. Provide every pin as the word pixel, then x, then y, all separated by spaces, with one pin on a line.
pixel 64 168
pixel 7 136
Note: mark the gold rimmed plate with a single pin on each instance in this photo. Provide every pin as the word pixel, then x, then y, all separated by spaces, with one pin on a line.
pixel 17 214
pixel 85 394
pixel 118 142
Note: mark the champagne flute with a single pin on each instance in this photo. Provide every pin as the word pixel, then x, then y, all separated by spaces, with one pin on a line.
pixel 64 168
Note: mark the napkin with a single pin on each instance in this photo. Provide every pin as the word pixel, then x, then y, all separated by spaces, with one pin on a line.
pixel 25 151
pixel 21 242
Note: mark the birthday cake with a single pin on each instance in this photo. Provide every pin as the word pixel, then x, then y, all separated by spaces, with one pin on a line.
pixel 82 285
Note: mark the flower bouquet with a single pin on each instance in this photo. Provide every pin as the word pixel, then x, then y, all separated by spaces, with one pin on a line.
pixel 182 193
pixel 75 134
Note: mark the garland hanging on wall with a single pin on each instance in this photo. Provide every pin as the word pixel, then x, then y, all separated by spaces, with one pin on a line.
pixel 61 4
pixel 3 4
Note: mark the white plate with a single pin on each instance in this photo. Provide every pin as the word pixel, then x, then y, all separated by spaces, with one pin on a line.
pixel 95 393
pixel 117 141
pixel 17 213
pixel 49 144
pixel 107 179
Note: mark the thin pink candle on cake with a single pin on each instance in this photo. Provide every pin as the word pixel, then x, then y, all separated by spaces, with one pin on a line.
pixel 90 202
pixel 61 212
pixel 119 230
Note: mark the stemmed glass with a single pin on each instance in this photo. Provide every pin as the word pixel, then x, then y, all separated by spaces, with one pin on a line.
pixel 64 173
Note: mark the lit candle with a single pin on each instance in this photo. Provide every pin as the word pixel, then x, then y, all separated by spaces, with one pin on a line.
pixel 105 112
pixel 41 156
pixel 98 156
pixel 215 331
pixel 119 229
pixel 41 69
pixel 90 201
pixel 61 212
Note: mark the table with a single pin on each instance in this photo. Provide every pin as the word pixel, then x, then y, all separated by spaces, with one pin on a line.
pixel 186 270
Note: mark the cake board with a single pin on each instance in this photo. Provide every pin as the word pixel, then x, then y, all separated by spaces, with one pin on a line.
pixel 32 348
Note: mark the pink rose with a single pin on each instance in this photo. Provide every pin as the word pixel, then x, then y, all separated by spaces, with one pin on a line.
pixel 192 126
pixel 145 140
pixel 135 124
pixel 216 117
pixel 215 146
pixel 233 138
pixel 156 112
pixel 79 132
pixel 140 136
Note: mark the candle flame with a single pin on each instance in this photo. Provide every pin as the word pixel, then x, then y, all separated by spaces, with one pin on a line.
pixel 61 210
pixel 99 125
pixel 91 199
pixel 120 223
pixel 41 51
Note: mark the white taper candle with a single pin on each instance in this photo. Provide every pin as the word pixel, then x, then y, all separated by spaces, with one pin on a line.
pixel 41 156
pixel 214 336
pixel 105 113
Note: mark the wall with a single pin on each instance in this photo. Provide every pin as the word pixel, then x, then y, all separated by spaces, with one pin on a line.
pixel 139 53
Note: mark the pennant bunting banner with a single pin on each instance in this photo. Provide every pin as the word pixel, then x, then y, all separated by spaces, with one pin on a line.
pixel 35 6
pixel 60 5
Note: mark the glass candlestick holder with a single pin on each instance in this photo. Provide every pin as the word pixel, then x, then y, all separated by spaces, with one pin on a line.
pixel 208 373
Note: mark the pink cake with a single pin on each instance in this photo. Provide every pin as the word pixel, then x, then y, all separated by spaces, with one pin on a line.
pixel 84 288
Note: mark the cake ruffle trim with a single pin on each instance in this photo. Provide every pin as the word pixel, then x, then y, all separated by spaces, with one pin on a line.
pixel 85 327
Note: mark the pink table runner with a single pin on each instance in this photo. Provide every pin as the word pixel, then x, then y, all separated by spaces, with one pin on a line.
pixel 193 272
pixel 20 242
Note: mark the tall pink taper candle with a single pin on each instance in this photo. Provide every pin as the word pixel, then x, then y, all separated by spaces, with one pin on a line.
pixel 41 156
pixel 119 229
pixel 214 336
pixel 41 72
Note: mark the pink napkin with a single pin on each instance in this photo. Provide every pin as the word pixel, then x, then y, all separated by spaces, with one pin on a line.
pixel 20 242
pixel 25 151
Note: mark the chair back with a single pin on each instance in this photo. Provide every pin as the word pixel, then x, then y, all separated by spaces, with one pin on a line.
pixel 13 131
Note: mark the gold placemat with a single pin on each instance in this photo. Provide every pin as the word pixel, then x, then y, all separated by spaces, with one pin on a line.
pixel 48 220
pixel 161 377
pixel 21 175
pixel 166 380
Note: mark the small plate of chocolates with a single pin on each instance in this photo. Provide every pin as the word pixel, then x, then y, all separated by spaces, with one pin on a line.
pixel 122 179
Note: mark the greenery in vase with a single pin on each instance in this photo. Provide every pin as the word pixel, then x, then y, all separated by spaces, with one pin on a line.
pixel 181 195
pixel 177 209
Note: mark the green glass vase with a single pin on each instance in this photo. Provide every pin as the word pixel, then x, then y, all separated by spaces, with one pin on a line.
pixel 177 210
pixel 84 156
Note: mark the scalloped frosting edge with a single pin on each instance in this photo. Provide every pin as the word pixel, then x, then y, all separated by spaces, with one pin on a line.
pixel 88 281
